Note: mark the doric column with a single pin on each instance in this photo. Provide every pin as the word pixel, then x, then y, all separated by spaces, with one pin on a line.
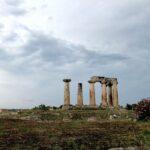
pixel 67 92
pixel 92 93
pixel 109 94
pixel 80 95
pixel 115 93
pixel 104 93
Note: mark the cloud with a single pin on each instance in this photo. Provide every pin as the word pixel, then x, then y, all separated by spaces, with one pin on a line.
pixel 17 12
pixel 37 52
pixel 3 55
pixel 13 7
pixel 42 50
pixel 10 37
pixel 49 49
pixel 14 2
pixel 1 25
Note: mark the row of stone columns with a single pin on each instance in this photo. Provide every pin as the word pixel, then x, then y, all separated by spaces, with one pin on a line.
pixel 109 96
pixel 67 93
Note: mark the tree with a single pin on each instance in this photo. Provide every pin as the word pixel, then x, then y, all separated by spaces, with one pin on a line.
pixel 129 107
pixel 143 109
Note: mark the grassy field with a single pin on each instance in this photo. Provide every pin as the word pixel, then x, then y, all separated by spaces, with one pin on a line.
pixel 72 129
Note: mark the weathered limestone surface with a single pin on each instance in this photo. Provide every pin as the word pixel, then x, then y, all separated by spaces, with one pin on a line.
pixel 104 93
pixel 115 93
pixel 67 91
pixel 109 94
pixel 109 90
pixel 97 78
pixel 92 93
pixel 80 95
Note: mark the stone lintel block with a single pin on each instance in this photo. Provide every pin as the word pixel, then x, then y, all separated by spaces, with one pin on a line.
pixel 97 78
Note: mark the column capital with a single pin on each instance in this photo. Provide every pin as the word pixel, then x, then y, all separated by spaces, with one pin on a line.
pixel 90 81
pixel 114 81
pixel 67 80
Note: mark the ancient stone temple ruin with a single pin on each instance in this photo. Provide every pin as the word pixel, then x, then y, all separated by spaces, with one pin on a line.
pixel 109 94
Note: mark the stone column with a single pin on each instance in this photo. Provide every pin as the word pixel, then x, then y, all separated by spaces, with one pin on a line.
pixel 115 93
pixel 92 93
pixel 80 95
pixel 109 94
pixel 67 92
pixel 104 93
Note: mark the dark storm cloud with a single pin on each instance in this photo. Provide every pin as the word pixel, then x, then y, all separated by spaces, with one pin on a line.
pixel 56 51
pixel 104 59
pixel 41 50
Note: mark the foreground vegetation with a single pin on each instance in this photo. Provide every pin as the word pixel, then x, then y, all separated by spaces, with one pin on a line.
pixel 69 135
pixel 72 129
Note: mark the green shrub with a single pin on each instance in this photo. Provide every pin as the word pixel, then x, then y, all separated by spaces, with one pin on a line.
pixel 76 116
pixel 41 107
pixel 131 106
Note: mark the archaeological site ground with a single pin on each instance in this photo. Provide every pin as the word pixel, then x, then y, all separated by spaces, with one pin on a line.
pixel 106 125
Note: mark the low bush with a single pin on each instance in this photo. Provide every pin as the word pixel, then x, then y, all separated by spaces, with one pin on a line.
pixel 76 116
pixel 131 106
pixel 41 107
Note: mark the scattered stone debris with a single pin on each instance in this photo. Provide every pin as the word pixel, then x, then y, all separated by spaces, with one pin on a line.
pixel 92 119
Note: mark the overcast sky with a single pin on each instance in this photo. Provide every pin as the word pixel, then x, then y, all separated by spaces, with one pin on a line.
pixel 44 41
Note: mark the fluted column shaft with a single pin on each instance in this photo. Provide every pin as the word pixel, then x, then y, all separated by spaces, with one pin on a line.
pixel 92 94
pixel 115 94
pixel 109 95
pixel 104 94
pixel 80 95
pixel 66 92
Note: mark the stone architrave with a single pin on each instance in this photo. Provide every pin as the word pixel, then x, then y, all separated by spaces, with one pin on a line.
pixel 92 94
pixel 80 95
pixel 104 93
pixel 67 92
pixel 115 93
